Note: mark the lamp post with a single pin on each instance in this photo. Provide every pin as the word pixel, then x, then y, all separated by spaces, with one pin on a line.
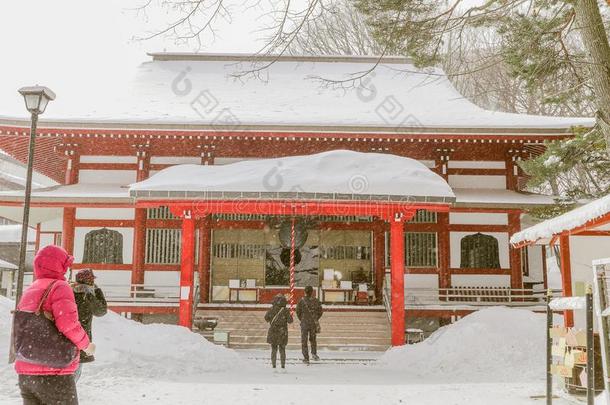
pixel 36 100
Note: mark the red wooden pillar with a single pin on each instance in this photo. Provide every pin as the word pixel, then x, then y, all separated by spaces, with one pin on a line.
pixel 205 239
pixel 516 275
pixel 444 258
pixel 397 252
pixel 566 275
pixel 139 246
pixel 187 268
pixel 379 258
pixel 67 237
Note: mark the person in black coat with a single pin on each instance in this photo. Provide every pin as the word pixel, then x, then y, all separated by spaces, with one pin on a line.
pixel 309 311
pixel 90 302
pixel 278 317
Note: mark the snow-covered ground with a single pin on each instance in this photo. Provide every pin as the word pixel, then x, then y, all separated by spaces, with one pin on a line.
pixel 475 361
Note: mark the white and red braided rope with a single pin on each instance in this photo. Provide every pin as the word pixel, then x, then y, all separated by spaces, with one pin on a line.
pixel 292 249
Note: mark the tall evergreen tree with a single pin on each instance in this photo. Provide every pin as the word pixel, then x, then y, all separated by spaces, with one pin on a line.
pixel 536 38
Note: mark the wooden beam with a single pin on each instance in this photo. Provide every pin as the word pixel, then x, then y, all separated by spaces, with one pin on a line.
pixel 591 233
pixel 476 172
pixel 566 275
pixel 104 223
pixel 478 228
pixel 516 276
pixel 109 166
pixel 458 271
pixel 384 210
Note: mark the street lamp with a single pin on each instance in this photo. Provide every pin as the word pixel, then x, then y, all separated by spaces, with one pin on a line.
pixel 36 100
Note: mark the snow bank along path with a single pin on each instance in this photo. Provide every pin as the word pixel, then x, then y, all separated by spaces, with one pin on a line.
pixel 127 348
pixel 494 344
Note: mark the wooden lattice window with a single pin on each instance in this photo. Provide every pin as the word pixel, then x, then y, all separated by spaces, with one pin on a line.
pixel 163 246
pixel 424 217
pixel 347 252
pixel 480 251
pixel 238 251
pixel 421 249
pixel 160 213
pixel 103 246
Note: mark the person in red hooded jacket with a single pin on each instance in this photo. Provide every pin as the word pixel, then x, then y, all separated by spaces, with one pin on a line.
pixel 39 384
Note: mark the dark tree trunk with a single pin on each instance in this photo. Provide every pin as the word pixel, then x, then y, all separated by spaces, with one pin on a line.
pixel 595 40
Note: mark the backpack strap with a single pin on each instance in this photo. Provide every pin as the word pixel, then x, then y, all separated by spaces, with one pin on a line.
pixel 45 296
pixel 276 315
pixel 309 310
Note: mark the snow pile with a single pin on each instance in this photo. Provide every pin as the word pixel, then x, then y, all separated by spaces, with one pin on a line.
pixel 562 304
pixel 127 348
pixel 495 344
pixel 344 172
pixel 6 306
pixel 568 221
pixel 6 370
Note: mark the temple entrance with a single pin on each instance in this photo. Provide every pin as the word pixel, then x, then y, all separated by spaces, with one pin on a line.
pixel 250 265
pixel 305 192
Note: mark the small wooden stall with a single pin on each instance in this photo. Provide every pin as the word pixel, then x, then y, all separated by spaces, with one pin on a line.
pixel 571 352
pixel 577 238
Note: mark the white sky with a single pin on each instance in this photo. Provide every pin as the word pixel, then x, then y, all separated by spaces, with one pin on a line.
pixel 77 47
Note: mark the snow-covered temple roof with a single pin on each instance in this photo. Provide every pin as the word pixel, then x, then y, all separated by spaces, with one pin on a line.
pixel 6 265
pixel 12 233
pixel 201 90
pixel 569 221
pixel 482 197
pixel 333 175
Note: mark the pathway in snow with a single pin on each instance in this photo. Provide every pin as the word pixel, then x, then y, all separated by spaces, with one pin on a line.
pixel 341 378
pixel 495 356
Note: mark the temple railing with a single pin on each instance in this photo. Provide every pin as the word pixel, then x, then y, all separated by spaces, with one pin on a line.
pixel 141 293
pixel 474 296
pixel 415 298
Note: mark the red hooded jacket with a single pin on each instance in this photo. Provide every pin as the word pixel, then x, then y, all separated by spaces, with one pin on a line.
pixel 51 263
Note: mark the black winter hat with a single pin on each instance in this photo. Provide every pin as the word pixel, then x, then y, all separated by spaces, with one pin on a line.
pixel 85 276
pixel 280 300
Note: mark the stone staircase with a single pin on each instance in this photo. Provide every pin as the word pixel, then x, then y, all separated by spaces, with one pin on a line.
pixel 353 329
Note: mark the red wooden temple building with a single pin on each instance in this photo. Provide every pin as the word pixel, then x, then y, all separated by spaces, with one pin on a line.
pixel 177 190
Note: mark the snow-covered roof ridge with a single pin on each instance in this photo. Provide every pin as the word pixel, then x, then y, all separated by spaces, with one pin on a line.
pixel 565 222
pixel 332 175
pixel 249 57
pixel 194 91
